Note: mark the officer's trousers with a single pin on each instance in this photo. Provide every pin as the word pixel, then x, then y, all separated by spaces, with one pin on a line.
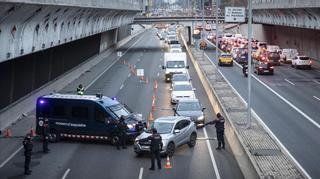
pixel 155 155
pixel 220 137
pixel 27 161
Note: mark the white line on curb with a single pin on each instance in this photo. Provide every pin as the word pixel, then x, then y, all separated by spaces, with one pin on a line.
pixel 140 173
pixel 316 98
pixel 121 86
pixel 316 82
pixel 10 157
pixel 66 173
pixel 264 125
pixel 129 75
pixel 289 81
pixel 215 167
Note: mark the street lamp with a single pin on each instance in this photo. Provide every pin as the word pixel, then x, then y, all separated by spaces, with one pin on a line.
pixel 249 62
pixel 217 29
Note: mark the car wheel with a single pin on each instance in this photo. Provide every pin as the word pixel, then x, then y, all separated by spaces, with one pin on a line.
pixel 193 140
pixel 258 72
pixel 170 149
pixel 138 154
pixel 54 135
pixel 292 65
pixel 114 139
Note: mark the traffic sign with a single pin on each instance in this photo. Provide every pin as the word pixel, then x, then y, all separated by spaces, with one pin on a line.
pixel 119 53
pixel 140 72
pixel 234 14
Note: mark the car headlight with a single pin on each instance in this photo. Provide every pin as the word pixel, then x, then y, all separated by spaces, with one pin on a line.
pixel 167 72
pixel 200 117
pixel 130 126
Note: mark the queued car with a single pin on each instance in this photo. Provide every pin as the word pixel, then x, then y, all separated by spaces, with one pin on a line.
pixel 289 54
pixel 180 91
pixel 190 108
pixel 263 68
pixel 175 48
pixel 225 59
pixel 174 130
pixel 180 79
pixel 301 62
pixel 274 58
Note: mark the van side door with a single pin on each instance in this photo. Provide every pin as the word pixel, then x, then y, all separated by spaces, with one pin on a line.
pixel 104 124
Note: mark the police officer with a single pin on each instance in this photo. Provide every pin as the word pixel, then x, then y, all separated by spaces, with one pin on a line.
pixel 27 144
pixel 80 90
pixel 122 128
pixel 155 148
pixel 219 124
pixel 45 133
pixel 139 127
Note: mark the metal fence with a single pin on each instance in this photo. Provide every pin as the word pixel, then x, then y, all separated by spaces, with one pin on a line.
pixel 279 4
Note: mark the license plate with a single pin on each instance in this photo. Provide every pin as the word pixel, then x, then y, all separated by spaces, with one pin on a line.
pixel 145 147
pixel 266 70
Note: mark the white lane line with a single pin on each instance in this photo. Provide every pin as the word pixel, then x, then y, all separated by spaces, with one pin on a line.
pixel 268 129
pixel 10 157
pixel 316 82
pixel 129 75
pixel 90 84
pixel 316 98
pixel 86 87
pixel 158 74
pixel 66 174
pixel 121 86
pixel 139 59
pixel 215 167
pixel 140 173
pixel 290 104
pixel 289 81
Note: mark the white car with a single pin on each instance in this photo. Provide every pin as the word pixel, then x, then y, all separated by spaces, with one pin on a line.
pixel 181 91
pixel 180 79
pixel 175 48
pixel 301 62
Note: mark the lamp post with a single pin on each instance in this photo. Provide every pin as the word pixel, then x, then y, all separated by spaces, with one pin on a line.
pixel 249 62
pixel 217 29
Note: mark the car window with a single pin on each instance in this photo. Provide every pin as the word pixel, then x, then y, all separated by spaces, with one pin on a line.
pixel 80 112
pixel 188 106
pixel 182 88
pixel 304 58
pixel 175 64
pixel 99 114
pixel 178 125
pixel 184 124
pixel 162 127
pixel 179 78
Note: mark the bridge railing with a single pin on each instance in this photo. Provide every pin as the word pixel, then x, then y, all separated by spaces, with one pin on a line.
pixel 280 4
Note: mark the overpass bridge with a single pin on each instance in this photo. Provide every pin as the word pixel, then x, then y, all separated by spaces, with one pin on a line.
pixel 175 19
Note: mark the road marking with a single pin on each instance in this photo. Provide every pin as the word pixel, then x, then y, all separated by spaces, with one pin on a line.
pixel 158 74
pixel 140 173
pixel 129 75
pixel 66 173
pixel 290 104
pixel 316 98
pixel 215 167
pixel 267 128
pixel 10 157
pixel 139 59
pixel 316 82
pixel 289 81
pixel 90 84
pixel 121 86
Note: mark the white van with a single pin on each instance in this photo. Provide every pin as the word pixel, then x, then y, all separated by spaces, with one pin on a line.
pixel 289 54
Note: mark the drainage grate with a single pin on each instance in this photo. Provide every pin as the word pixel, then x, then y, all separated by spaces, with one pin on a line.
pixel 265 152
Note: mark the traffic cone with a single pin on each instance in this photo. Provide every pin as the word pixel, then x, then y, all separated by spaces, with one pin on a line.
pixel 32 132
pixel 147 81
pixel 124 62
pixel 168 164
pixel 155 86
pixel 7 133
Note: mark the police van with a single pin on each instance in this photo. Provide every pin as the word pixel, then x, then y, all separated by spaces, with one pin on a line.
pixel 84 117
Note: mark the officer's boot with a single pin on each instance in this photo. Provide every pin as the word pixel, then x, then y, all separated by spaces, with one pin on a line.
pixel 219 145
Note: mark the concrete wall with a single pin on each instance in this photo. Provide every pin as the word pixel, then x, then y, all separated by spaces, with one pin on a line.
pixel 25 74
pixel 108 39
pixel 307 41
pixel 25 28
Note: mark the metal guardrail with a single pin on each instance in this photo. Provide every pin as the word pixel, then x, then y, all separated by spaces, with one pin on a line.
pixel 281 4
pixel 140 19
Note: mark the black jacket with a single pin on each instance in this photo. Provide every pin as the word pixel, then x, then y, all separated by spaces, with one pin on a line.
pixel 122 127
pixel 27 144
pixel 219 123
pixel 156 143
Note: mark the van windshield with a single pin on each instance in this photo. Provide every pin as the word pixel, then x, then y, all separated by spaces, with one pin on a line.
pixel 175 64
pixel 119 110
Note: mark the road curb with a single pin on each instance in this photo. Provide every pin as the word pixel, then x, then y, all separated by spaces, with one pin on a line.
pixel 250 163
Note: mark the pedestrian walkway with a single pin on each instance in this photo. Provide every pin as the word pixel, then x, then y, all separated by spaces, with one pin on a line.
pixel 266 156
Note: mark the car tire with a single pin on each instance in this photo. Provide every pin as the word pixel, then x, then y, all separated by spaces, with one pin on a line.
pixel 170 149
pixel 138 154
pixel 193 140
pixel 114 139
pixel 55 136
pixel 292 65
pixel 258 73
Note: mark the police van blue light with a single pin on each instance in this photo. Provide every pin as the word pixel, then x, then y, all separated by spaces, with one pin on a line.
pixel 87 116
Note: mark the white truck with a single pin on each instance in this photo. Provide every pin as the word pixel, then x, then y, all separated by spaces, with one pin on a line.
pixel 174 63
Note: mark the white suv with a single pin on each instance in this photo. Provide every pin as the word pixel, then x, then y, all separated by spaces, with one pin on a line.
pixel 301 61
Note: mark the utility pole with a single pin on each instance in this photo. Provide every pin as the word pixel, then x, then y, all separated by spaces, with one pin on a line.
pixel 217 29
pixel 249 62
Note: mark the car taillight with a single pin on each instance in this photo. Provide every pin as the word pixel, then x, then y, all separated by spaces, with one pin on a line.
pixel 310 62
pixel 271 67
pixel 263 58
pixel 260 67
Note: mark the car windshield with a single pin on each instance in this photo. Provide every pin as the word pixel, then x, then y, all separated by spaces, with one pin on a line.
pixel 176 46
pixel 179 78
pixel 182 88
pixel 188 106
pixel 175 64
pixel 304 58
pixel 119 110
pixel 226 56
pixel 162 127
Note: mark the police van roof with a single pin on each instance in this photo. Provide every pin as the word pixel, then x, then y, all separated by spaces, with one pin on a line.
pixel 104 100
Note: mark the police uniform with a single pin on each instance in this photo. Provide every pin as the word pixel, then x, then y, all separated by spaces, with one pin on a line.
pixel 45 133
pixel 122 128
pixel 27 144
pixel 80 90
pixel 219 124
pixel 155 148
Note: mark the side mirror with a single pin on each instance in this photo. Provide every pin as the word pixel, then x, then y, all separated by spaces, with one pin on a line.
pixel 176 131
pixel 163 67
pixel 203 109
pixel 187 67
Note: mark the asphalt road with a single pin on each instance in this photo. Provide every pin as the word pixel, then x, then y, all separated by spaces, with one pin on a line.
pixel 298 131
pixel 80 159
